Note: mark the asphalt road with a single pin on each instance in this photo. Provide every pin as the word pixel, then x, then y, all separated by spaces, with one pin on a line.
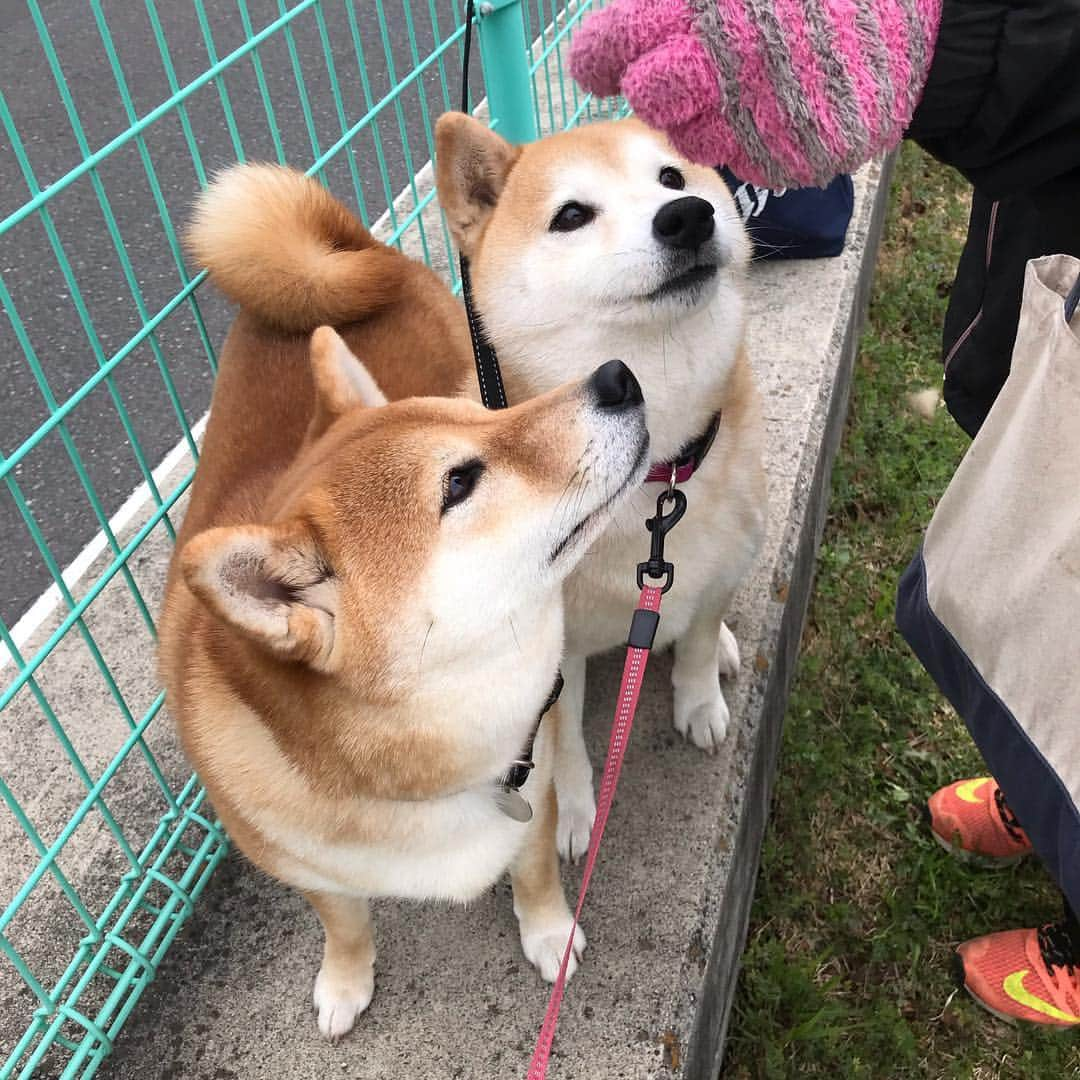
pixel 47 478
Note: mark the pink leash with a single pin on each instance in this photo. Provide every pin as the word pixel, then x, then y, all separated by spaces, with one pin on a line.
pixel 646 617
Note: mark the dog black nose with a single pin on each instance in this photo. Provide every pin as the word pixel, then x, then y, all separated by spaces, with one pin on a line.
pixel 684 223
pixel 613 387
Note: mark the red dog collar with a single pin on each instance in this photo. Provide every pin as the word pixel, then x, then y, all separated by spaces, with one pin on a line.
pixel 689 460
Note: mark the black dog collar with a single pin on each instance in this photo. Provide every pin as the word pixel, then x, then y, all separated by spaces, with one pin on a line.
pixel 514 778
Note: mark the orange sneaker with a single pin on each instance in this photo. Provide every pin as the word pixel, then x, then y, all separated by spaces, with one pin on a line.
pixel 972 819
pixel 1028 975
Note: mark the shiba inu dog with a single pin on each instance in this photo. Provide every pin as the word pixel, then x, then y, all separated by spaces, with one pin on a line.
pixel 363 617
pixel 602 240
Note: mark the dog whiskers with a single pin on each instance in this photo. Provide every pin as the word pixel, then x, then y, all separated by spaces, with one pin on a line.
pixel 573 477
pixel 563 494
pixel 573 517
pixel 423 647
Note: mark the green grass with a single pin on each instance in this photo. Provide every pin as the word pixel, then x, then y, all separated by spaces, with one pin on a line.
pixel 857 912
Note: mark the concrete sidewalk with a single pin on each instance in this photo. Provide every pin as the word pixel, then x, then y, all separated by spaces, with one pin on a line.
pixel 455 998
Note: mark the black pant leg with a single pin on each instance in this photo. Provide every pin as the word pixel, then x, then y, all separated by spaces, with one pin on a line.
pixel 984 307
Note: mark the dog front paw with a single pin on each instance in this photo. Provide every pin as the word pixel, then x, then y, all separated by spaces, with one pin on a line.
pixel 577 811
pixel 340 999
pixel 702 718
pixel 545 942
pixel 729 653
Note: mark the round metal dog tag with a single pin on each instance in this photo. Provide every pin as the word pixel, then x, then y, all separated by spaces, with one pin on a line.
pixel 513 805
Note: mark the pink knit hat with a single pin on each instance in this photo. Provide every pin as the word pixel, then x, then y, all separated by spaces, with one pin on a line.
pixel 784 92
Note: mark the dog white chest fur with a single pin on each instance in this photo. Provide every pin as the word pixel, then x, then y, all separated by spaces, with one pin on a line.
pixel 601 242
pixel 444 848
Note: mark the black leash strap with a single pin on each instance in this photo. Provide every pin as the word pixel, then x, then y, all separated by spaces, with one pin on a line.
pixel 488 373
pixel 466 49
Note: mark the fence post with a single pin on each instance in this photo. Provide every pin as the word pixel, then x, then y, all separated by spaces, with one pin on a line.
pixel 504 52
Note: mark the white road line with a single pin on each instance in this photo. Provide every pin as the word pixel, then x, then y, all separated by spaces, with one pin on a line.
pixel 46 604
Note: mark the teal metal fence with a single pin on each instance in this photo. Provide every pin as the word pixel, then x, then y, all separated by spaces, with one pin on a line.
pixel 112 116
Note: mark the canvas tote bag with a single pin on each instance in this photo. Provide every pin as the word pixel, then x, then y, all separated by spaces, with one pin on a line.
pixel 991 603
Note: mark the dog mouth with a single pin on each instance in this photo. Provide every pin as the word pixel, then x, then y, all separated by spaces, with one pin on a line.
pixel 575 534
pixel 684 282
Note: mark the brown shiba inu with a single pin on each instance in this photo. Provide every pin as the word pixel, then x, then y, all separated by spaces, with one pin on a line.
pixel 363 618
pixel 601 240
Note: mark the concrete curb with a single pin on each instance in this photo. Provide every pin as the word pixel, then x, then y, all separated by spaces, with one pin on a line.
pixel 705 1054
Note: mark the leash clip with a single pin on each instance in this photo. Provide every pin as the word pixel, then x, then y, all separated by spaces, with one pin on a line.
pixel 659 526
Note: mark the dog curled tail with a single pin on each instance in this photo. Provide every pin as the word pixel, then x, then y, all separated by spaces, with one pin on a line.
pixel 284 249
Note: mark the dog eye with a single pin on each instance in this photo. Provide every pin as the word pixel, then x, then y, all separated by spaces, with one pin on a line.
pixel 571 216
pixel 460 482
pixel 670 177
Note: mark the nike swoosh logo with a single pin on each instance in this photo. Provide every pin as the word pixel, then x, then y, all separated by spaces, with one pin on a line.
pixel 967 790
pixel 1014 987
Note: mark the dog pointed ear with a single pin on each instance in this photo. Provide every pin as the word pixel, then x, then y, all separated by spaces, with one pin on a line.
pixel 471 167
pixel 342 383
pixel 272 583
